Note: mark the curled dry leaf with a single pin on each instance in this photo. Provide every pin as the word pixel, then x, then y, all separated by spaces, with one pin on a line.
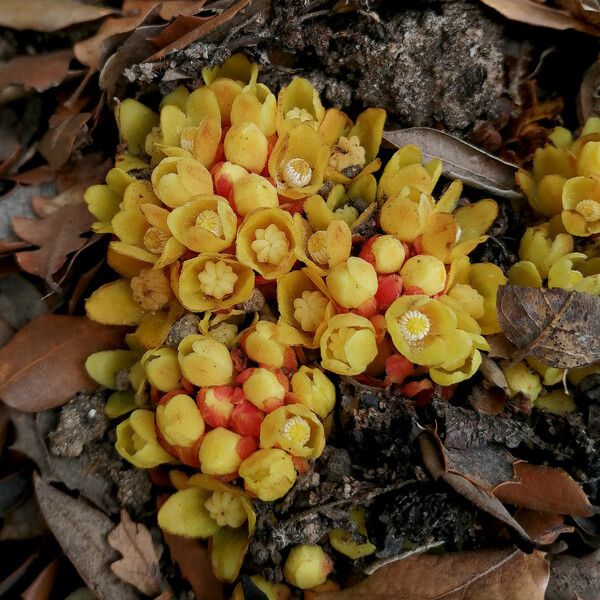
pixel 42 366
pixel 48 15
pixel 194 563
pixel 547 489
pixel 558 327
pixel 58 142
pixel 543 527
pixel 37 72
pixel 588 10
pixel 589 93
pixel 493 375
pixel 460 160
pixel 56 236
pixel 139 565
pixel 82 533
pixel 41 587
pixel 506 574
pixel 539 15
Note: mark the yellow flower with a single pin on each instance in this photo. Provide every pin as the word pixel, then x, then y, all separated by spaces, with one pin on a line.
pixel 577 272
pixel 426 272
pixel 135 121
pixel 205 224
pixel 581 204
pixel 113 304
pixel 264 389
pixel 176 180
pixel 137 442
pixel 352 282
pixel 298 103
pixel 405 214
pixel 219 452
pixel 151 289
pixel 525 274
pixel 213 282
pixel 179 421
pixel 268 473
pixel 348 344
pixel 185 514
pixel 297 162
pixel 303 302
pixel 307 566
pixel 204 361
pixel 256 104
pixel 251 192
pixel 485 278
pixel 295 429
pixel 543 248
pixel 161 367
pixel 267 242
pixel 268 343
pixel 347 153
pixel 104 366
pixel 324 249
pixel 405 170
pixel 314 390
pixel 246 145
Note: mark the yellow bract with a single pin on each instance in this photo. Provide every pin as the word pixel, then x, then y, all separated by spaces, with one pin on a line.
pixel 185 514
pixel 406 213
pixel 246 145
pixel 426 272
pixel 162 369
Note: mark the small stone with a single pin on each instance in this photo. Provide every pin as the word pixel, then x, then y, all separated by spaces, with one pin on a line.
pixel 186 325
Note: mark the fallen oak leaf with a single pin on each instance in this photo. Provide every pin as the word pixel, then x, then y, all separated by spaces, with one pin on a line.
pixel 48 15
pixel 38 72
pixel 558 327
pixel 473 166
pixel 547 489
pixel 545 528
pixel 139 565
pixel 506 574
pixel 82 531
pixel 539 15
pixel 42 366
pixel 56 236
pixel 57 144
pixel 195 565
pixel 41 587
pixel 181 26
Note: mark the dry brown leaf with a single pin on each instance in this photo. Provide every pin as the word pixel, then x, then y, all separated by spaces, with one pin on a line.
pixel 195 566
pixel 534 13
pixel 81 531
pixel 548 489
pixel 588 10
pixel 65 133
pixel 460 160
pixel 493 375
pixel 37 72
pixel 57 235
pixel 181 26
pixel 491 574
pixel 203 29
pixel 139 565
pixel 48 15
pixel 574 577
pixel 42 366
pixel 559 328
pixel 543 527
pixel 41 587
pixel 589 93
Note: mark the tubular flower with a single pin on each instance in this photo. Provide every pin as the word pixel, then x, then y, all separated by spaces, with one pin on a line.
pixel 161 367
pixel 298 103
pixel 268 343
pixel 348 344
pixel 179 421
pixel 252 192
pixel 269 473
pixel 426 272
pixel 246 145
pixel 220 452
pixel 405 214
pixel 176 180
pixel 314 390
pixel 307 566
pixel 426 332
pixel 352 282
pixel 303 303
pixel 543 248
pixel 137 442
pixel 204 361
pixel 295 429
pixel 205 224
pixel 581 204
pixel 385 252
pixel 265 389
pixel 297 162
pixel 256 104
pixel 213 281
pixel 322 250
pixel 267 242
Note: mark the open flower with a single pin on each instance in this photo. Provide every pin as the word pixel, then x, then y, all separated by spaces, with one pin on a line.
pixel 269 473
pixel 270 343
pixel 295 429
pixel 314 390
pixel 213 281
pixel 297 162
pixel 176 180
pixel 298 103
pixel 205 224
pixel 304 303
pixel 267 242
pixel 543 247
pixel 577 272
pixel 581 204
pixel 137 441
pixel 405 214
pixel 348 344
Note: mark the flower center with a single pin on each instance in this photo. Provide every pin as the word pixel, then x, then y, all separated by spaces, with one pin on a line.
pixel 347 153
pixel 226 509
pixel 309 310
pixel 271 245
pixel 210 220
pixel 302 115
pixel 217 279
pixel 414 325
pixel 297 172
pixel 338 341
pixel 589 210
pixel 155 240
pixel 151 289
pixel 317 247
pixel 297 431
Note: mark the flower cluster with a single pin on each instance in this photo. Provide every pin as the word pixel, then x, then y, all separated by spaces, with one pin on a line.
pixel 259 258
